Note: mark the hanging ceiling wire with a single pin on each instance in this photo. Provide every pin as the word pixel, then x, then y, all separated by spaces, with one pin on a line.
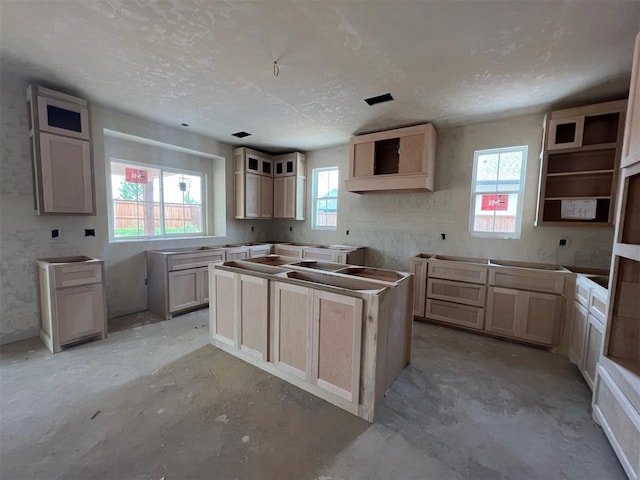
pixel 276 69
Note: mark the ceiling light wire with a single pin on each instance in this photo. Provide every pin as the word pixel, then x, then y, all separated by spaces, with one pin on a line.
pixel 276 69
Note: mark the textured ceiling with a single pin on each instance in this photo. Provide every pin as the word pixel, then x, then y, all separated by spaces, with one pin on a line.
pixel 209 63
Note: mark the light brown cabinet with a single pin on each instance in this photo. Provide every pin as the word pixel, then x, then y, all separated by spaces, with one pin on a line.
pixel 177 280
pixel 253 180
pixel 240 312
pixel 61 153
pixel 400 159
pixel 530 316
pixel 292 329
pixel 580 158
pixel 72 301
pixel 187 289
pixel 419 266
pixel 289 186
pixel 455 291
pixel 269 186
pixel 313 323
pixel 616 404
pixel 336 254
pixel 578 333
pixel 336 343
pixel 518 300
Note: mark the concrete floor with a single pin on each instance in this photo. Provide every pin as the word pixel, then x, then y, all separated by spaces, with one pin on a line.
pixel 157 401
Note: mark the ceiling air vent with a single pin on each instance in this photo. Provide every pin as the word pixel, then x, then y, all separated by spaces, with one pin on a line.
pixel 379 99
pixel 241 134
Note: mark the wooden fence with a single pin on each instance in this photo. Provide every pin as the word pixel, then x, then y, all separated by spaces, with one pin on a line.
pixel 485 223
pixel 176 215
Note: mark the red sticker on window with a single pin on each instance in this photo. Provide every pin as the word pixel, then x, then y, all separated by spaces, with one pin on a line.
pixel 495 202
pixel 135 175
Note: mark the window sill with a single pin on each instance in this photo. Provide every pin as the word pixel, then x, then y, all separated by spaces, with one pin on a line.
pixel 165 239
pixel 495 236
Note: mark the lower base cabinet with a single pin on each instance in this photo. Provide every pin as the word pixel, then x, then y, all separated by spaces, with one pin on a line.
pixel 526 315
pixel 72 301
pixel 188 288
pixel 619 418
pixel 317 337
pixel 592 349
pixel 311 334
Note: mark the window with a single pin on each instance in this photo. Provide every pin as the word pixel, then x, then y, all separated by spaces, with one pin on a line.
pixel 149 201
pixel 497 190
pixel 324 209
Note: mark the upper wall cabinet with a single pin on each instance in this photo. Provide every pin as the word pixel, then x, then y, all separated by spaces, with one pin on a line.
pixel 289 184
pixel 401 159
pixel 580 158
pixel 259 195
pixel 60 135
pixel 253 179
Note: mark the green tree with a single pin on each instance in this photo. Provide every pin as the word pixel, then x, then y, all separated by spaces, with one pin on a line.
pixel 131 191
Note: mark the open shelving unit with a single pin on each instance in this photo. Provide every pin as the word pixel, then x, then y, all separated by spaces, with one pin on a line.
pixel 580 159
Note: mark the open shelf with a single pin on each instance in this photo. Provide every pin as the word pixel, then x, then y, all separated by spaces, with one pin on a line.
pixel 588 172
pixel 624 334
pixel 600 128
pixel 586 185
pixel 631 225
pixel 553 211
pixel 387 157
pixel 581 161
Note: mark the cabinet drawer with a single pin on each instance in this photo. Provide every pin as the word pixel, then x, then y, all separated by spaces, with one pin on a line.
pixel 237 253
pixel 80 274
pixel 537 281
pixel 465 315
pixel 460 271
pixel 319 254
pixel 289 250
pixel 583 289
pixel 598 304
pixel 259 250
pixel 466 293
pixel 183 261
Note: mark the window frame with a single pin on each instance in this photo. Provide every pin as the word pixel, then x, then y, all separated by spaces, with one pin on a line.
pixel 161 169
pixel 314 198
pixel 519 208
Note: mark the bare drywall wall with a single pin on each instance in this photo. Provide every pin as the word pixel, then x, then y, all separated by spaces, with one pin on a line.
pixel 396 226
pixel 25 236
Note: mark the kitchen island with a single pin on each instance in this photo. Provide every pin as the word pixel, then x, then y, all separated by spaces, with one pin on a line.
pixel 342 333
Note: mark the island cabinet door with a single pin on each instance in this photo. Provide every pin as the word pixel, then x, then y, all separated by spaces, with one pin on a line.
pixel 292 329
pixel 224 306
pixel 337 335
pixel 254 308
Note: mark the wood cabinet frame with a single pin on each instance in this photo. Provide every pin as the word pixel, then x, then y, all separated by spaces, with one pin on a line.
pixel 416 161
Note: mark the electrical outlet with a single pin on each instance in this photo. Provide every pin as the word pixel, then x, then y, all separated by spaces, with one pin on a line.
pixel 347 232
pixel 443 237
pixel 563 243
pixel 55 233
pixel 291 229
pixel 89 232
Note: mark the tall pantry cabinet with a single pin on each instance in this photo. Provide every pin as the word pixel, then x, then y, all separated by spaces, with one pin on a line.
pixel 616 400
